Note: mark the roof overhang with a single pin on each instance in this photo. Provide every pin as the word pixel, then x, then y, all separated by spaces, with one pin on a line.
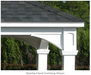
pixel 44 24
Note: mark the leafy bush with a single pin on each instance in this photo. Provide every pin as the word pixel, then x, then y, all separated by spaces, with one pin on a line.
pixel 6 66
pixel 82 67
pixel 30 67
pixel 55 67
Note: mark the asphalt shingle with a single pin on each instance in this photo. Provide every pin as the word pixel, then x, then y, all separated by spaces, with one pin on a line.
pixel 33 11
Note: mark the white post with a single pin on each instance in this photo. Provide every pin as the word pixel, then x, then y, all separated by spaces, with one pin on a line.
pixel 42 59
pixel 42 55
pixel 69 49
pixel 68 60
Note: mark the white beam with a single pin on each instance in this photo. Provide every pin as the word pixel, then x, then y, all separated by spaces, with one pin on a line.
pixel 67 24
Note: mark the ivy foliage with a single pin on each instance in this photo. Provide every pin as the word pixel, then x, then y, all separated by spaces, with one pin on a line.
pixel 14 51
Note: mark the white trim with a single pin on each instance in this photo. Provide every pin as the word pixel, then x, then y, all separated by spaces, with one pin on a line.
pixel 43 51
pixel 31 33
pixel 31 29
pixel 15 33
pixel 67 24
pixel 69 53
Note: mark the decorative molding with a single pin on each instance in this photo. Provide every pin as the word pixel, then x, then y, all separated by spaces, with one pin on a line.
pixel 72 35
pixel 69 53
pixel 43 51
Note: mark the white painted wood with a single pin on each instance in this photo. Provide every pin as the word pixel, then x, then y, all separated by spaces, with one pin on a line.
pixel 55 24
pixel 69 53
pixel 42 55
pixel 42 59
pixel 68 63
pixel 69 49
pixel 69 39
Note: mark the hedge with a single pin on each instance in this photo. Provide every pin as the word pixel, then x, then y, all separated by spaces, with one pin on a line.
pixel 6 66
pixel 82 68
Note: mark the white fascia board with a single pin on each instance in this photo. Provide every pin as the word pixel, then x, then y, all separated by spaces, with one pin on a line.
pixel 42 0
pixel 31 33
pixel 67 24
pixel 15 33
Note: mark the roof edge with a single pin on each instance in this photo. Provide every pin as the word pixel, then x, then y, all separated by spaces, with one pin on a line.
pixel 65 25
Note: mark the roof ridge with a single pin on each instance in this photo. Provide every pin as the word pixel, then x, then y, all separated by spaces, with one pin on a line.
pixel 55 11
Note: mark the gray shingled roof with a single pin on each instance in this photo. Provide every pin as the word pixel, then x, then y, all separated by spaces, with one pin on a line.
pixel 33 11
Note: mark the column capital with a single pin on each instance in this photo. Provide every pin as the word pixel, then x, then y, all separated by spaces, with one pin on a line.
pixel 69 53
pixel 43 51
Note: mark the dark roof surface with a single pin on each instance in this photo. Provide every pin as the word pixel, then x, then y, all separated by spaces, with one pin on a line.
pixel 33 11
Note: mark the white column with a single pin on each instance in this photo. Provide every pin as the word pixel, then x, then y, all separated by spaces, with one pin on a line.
pixel 68 60
pixel 42 55
pixel 42 59
pixel 69 49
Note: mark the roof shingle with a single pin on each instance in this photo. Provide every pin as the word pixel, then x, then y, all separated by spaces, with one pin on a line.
pixel 33 11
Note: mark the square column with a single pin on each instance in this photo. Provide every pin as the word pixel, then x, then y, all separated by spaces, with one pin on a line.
pixel 69 49
pixel 68 60
pixel 42 59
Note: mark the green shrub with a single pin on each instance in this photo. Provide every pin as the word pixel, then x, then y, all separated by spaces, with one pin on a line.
pixel 6 66
pixel 30 67
pixel 82 67
pixel 55 67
